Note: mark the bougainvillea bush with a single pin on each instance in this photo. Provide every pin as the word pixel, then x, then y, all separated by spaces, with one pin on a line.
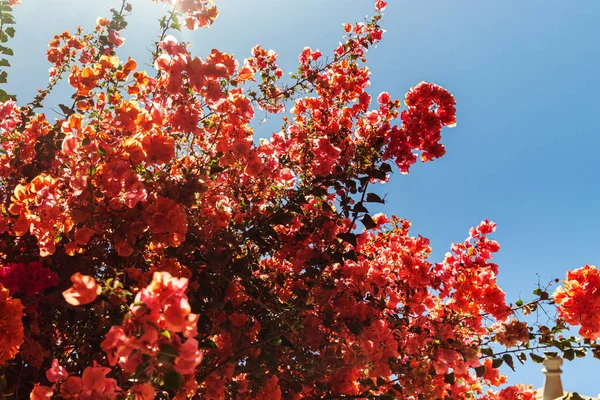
pixel 150 248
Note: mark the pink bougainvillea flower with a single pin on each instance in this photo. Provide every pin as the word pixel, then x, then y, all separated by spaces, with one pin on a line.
pixel 84 290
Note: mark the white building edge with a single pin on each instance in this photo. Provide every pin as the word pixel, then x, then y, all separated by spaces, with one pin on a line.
pixel 553 389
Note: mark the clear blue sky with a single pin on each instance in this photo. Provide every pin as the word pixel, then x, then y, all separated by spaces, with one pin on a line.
pixel 524 74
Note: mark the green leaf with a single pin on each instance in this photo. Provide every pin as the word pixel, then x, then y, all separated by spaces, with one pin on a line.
pixel 537 292
pixel 519 303
pixel 175 24
pixel 497 362
pixel 3 77
pixel 6 50
pixel 10 31
pixel 101 151
pixel 509 361
pixel 3 95
pixel 172 380
pixel 536 359
pixel 166 334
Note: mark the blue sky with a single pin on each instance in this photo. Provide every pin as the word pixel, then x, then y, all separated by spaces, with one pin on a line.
pixel 524 74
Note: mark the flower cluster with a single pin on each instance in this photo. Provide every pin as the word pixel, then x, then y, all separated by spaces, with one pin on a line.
pixel 11 325
pixel 149 197
pixel 27 280
pixel 93 385
pixel 430 107
pixel 513 333
pixel 154 330
pixel 517 392
pixel 579 300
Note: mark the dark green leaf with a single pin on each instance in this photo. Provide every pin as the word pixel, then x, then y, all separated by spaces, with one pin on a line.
pixel 368 222
pixel 348 237
pixel 6 50
pixel 373 198
pixel 449 378
pixel 101 151
pixel 359 207
pixel 535 358
pixel 509 361
pixel 167 354
pixel 385 167
pixel 67 111
pixel 378 174
pixel 569 354
pixel 173 380
pixel 480 371
pixel 497 362
pixel 486 351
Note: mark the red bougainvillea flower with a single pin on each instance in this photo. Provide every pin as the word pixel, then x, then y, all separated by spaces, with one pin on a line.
pixel 84 290
pixel 11 325
pixel 579 300
pixel 142 391
pixel 189 357
pixel 517 392
pixel 380 5
pixel 56 373
pixel 41 392
pixel 96 384
pixel 27 280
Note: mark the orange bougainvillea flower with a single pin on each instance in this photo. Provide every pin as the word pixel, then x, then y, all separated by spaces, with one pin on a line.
pixel 11 325
pixel 84 290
